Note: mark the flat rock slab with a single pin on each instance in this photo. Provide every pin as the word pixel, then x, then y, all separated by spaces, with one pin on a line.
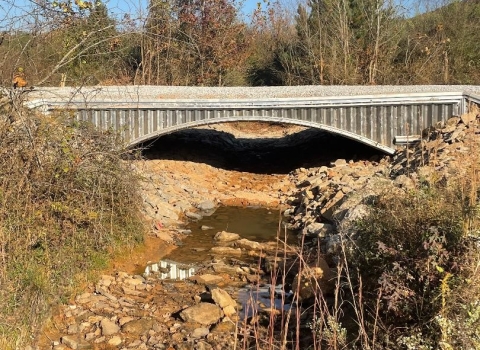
pixel 138 327
pixel 208 279
pixel 226 251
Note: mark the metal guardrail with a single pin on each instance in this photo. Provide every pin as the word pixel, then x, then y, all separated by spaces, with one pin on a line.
pixel 377 120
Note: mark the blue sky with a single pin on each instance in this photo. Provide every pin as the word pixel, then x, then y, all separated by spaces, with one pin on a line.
pixel 135 6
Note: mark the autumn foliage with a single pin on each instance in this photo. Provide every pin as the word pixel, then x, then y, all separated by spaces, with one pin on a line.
pixel 216 43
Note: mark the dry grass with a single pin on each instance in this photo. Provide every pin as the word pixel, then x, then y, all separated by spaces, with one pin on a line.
pixel 67 201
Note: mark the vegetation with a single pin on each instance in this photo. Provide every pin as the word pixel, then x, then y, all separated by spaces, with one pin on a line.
pixel 415 266
pixel 213 43
pixel 66 204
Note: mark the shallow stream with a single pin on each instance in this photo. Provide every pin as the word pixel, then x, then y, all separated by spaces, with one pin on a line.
pixel 253 223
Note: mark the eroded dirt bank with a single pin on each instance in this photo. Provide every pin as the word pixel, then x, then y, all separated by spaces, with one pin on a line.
pixel 183 176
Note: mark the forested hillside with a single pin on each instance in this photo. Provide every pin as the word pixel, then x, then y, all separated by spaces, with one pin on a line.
pixel 213 42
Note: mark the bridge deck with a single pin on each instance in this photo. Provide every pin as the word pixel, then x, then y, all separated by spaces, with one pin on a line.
pixel 142 93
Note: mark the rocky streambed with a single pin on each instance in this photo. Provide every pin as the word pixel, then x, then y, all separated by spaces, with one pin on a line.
pixel 225 303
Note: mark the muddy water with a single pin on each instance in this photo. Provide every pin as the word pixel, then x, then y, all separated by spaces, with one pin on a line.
pixel 256 224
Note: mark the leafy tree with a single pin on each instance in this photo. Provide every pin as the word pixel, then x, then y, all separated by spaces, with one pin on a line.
pixel 63 40
pixel 198 42
pixel 214 39
pixel 92 34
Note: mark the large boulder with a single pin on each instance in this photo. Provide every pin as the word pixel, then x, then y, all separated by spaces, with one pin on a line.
pixel 203 313
pixel 315 278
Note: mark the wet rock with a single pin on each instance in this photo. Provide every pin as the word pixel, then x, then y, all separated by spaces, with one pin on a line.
pixel 206 228
pixel 202 313
pixel 184 232
pixel 224 236
pixel 247 244
pixel 193 216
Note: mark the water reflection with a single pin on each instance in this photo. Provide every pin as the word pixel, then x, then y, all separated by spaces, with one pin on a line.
pixel 265 297
pixel 168 269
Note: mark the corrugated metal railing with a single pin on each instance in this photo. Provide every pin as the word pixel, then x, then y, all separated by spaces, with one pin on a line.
pixel 376 120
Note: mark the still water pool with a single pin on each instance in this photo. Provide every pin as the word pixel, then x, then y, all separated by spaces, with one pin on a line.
pixel 253 223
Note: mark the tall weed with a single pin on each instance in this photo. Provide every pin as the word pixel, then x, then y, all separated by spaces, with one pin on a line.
pixel 67 201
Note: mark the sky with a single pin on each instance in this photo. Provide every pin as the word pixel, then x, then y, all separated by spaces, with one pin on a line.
pixel 135 6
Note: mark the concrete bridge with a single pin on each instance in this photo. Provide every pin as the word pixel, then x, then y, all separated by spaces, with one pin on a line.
pixel 379 116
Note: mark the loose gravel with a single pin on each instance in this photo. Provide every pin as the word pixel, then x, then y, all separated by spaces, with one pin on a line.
pixel 161 93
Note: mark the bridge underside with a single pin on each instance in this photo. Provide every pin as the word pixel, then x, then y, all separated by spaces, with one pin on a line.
pixel 304 123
